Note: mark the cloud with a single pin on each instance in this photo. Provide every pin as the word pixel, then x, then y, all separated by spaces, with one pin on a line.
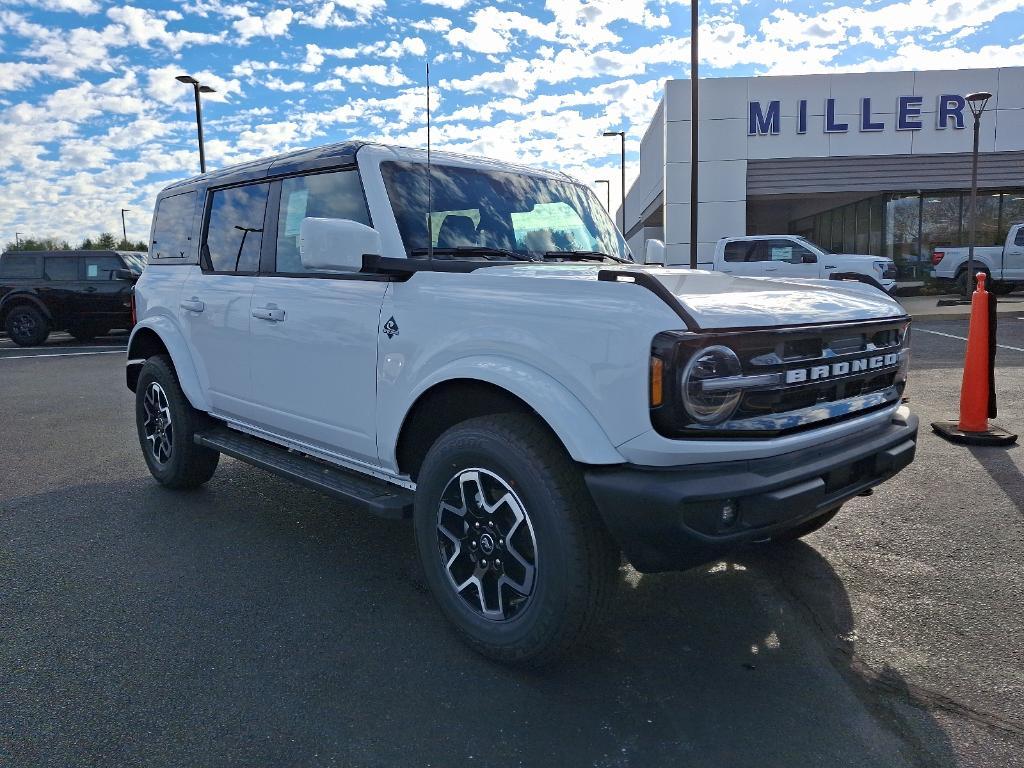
pixel 84 7
pixel 377 74
pixel 270 24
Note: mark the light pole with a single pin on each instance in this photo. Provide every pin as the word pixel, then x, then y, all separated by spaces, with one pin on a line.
pixel 622 169
pixel 607 193
pixel 694 122
pixel 977 102
pixel 198 89
pixel 17 240
pixel 124 229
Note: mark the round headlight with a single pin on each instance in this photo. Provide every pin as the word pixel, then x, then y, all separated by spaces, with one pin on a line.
pixel 705 402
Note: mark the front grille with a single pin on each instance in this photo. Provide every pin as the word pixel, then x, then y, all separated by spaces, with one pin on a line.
pixel 822 374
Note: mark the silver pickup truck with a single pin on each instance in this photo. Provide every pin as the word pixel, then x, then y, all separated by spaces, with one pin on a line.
pixel 1003 265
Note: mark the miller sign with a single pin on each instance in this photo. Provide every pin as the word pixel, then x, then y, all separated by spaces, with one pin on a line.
pixel 949 112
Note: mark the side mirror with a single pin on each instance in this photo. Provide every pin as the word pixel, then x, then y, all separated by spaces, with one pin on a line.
pixel 654 252
pixel 336 244
pixel 810 258
pixel 125 274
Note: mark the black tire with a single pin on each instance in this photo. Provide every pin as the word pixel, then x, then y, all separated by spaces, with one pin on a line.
pixel 961 281
pixel 574 560
pixel 26 326
pixel 1002 289
pixel 802 530
pixel 167 444
pixel 88 331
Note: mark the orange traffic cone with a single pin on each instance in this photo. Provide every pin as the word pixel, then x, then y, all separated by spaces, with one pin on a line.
pixel 977 387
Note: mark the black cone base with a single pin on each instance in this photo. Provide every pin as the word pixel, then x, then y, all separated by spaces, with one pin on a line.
pixel 993 436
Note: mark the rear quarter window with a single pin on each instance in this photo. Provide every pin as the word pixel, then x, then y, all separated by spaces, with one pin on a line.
pixel 60 268
pixel 172 229
pixel 740 250
pixel 20 265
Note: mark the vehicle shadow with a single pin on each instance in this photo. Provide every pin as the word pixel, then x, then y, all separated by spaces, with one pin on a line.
pixel 253 622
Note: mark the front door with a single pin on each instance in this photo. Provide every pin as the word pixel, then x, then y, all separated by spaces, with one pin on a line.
pixel 105 299
pixel 786 258
pixel 214 305
pixel 313 344
pixel 1013 256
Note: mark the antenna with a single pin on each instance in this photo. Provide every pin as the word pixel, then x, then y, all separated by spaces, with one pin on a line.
pixel 430 201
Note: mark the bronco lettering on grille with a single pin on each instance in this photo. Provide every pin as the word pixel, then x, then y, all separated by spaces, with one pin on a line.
pixel 819 372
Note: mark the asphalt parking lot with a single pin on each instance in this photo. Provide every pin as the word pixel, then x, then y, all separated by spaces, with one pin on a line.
pixel 256 623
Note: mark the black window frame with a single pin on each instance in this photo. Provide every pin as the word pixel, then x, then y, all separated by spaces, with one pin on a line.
pixel 205 264
pixel 76 268
pixel 35 257
pixel 1018 239
pixel 268 256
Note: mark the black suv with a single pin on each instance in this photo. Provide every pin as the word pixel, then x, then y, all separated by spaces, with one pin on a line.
pixel 86 293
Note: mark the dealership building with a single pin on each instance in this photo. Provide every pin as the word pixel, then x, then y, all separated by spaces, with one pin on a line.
pixel 875 163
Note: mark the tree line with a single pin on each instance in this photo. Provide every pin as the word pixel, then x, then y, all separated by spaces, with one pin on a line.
pixel 105 242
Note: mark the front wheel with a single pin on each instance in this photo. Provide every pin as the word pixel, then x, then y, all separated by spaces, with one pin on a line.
pixel 167 424
pixel 510 542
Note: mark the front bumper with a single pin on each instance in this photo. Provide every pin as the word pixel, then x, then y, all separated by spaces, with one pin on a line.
pixel 671 518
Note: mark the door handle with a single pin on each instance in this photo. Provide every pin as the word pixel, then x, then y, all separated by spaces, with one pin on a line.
pixel 771 269
pixel 91 289
pixel 193 305
pixel 271 313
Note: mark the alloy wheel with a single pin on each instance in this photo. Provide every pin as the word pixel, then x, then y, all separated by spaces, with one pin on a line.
pixel 157 424
pixel 487 544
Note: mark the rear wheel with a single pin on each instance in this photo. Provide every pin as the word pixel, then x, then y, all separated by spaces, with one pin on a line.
pixel 88 331
pixel 961 281
pixel 805 528
pixel 166 424
pixel 26 326
pixel 509 539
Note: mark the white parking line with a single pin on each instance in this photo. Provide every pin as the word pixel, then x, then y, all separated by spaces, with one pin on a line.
pixel 62 354
pixel 77 349
pixel 963 338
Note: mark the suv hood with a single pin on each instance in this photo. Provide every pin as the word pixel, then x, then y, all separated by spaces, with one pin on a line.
pixel 715 300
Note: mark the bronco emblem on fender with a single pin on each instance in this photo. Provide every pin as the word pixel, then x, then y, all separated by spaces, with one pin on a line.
pixel 391 327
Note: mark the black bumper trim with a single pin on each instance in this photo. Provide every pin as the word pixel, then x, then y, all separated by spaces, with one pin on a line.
pixel 668 519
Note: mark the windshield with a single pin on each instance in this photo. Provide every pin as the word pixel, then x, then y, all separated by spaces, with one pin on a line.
pixel 513 214
pixel 135 263
pixel 821 248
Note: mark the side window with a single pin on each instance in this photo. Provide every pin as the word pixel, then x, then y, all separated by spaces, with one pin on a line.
pixel 60 268
pixel 19 266
pixel 235 230
pixel 100 267
pixel 740 250
pixel 802 255
pixel 337 195
pixel 172 230
pixel 1019 239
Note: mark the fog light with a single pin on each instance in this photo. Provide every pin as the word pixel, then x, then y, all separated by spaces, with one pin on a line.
pixel 728 515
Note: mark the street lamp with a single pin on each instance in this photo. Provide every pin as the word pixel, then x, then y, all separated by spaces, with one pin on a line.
pixel 622 169
pixel 977 102
pixel 198 89
pixel 607 193
pixel 124 229
pixel 17 240
pixel 694 124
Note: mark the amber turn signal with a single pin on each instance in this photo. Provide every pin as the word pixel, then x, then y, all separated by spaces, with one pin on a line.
pixel 657 369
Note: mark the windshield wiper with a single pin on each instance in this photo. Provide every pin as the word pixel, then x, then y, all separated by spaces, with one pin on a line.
pixel 583 256
pixel 485 251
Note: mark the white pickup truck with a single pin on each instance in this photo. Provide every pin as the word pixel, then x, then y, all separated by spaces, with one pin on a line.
pixel 1003 265
pixel 788 256
pixel 494 365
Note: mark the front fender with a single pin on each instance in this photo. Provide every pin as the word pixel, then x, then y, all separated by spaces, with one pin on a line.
pixel 177 348
pixel 570 420
pixel 26 297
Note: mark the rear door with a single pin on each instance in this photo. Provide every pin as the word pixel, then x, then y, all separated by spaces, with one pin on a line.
pixel 313 344
pixel 787 258
pixel 742 257
pixel 61 287
pixel 214 303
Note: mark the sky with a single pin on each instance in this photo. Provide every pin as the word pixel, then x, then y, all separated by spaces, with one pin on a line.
pixel 93 121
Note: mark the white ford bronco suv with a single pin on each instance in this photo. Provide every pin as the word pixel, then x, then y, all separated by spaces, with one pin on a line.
pixel 471 345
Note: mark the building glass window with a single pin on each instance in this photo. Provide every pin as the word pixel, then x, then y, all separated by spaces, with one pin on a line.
pixel 988 220
pixel 863 226
pixel 849 228
pixel 903 227
pixel 835 243
pixel 875 239
pixel 823 228
pixel 1013 210
pixel 940 221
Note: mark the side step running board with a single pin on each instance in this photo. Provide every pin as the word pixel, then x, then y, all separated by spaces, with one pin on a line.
pixel 376 496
